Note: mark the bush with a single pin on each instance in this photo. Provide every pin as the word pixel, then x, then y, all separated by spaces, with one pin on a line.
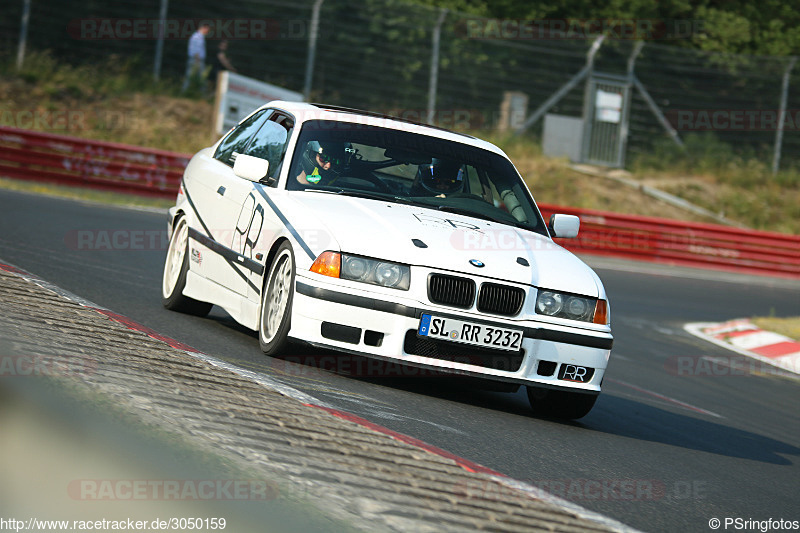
pixel 115 76
pixel 705 154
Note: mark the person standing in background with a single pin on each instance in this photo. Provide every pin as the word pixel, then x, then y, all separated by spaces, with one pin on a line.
pixel 196 57
pixel 220 62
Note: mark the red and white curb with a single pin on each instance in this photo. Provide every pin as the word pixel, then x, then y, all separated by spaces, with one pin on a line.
pixel 309 401
pixel 744 337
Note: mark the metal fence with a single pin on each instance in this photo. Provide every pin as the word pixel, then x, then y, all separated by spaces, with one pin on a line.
pixel 46 157
pixel 428 63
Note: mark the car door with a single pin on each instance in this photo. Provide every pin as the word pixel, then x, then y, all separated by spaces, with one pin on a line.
pixel 208 191
pixel 252 217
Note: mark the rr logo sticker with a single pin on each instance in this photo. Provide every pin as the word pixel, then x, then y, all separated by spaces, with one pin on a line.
pixel 580 374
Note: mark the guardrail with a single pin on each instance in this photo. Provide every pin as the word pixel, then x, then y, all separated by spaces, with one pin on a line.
pixel 112 166
pixel 682 243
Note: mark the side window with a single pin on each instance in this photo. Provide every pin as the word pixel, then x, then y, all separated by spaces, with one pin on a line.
pixel 237 140
pixel 270 143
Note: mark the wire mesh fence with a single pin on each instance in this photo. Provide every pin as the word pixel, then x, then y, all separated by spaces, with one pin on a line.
pixel 378 55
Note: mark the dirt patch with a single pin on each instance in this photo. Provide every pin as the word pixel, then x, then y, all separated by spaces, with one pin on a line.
pixel 552 182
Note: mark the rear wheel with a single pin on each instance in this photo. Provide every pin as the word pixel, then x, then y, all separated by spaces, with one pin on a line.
pixel 560 404
pixel 276 302
pixel 174 278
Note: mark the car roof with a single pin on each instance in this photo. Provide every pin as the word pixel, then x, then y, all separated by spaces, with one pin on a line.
pixel 303 112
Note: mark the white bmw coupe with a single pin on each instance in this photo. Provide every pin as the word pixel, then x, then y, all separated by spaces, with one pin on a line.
pixel 371 235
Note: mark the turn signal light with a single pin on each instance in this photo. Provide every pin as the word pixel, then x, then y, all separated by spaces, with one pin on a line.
pixel 328 264
pixel 601 312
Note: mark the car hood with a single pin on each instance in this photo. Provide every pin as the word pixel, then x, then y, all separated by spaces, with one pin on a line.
pixel 441 240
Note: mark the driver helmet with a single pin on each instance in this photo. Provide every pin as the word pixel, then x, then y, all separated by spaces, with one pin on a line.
pixel 323 152
pixel 441 176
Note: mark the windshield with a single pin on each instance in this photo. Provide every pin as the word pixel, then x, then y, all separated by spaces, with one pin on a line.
pixel 399 166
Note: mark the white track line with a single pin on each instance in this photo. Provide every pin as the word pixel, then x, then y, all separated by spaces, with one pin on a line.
pixel 666 398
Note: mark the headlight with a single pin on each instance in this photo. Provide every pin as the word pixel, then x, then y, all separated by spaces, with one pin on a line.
pixel 572 307
pixel 357 268
pixel 390 274
pixel 376 272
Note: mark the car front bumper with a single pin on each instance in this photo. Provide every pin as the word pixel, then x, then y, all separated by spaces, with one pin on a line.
pixel 361 322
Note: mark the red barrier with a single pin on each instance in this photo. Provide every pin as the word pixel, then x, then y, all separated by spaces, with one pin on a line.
pixel 682 243
pixel 111 166
pixel 66 160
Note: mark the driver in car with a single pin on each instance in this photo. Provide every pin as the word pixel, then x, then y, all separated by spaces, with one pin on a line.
pixel 321 161
pixel 440 178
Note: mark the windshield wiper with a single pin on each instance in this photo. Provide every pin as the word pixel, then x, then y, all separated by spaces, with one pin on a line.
pixel 373 196
pixel 472 213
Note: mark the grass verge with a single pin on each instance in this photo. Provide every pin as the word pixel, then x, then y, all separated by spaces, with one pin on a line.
pixel 783 326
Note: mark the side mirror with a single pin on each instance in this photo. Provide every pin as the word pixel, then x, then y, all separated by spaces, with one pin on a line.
pixel 250 168
pixel 564 226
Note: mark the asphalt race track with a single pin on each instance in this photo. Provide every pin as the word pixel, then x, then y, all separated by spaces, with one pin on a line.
pixel 673 442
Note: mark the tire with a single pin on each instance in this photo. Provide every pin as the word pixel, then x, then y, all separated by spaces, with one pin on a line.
pixel 173 280
pixel 560 404
pixel 274 317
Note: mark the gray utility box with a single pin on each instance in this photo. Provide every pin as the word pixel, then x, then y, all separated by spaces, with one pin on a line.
pixel 563 136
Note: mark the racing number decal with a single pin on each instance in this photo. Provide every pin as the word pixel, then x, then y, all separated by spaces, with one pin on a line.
pixel 248 227
pixel 254 232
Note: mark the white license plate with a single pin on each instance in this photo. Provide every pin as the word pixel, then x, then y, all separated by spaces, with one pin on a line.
pixel 449 329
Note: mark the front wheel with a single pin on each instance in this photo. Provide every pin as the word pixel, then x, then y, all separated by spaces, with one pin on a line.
pixel 174 278
pixel 276 302
pixel 560 404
